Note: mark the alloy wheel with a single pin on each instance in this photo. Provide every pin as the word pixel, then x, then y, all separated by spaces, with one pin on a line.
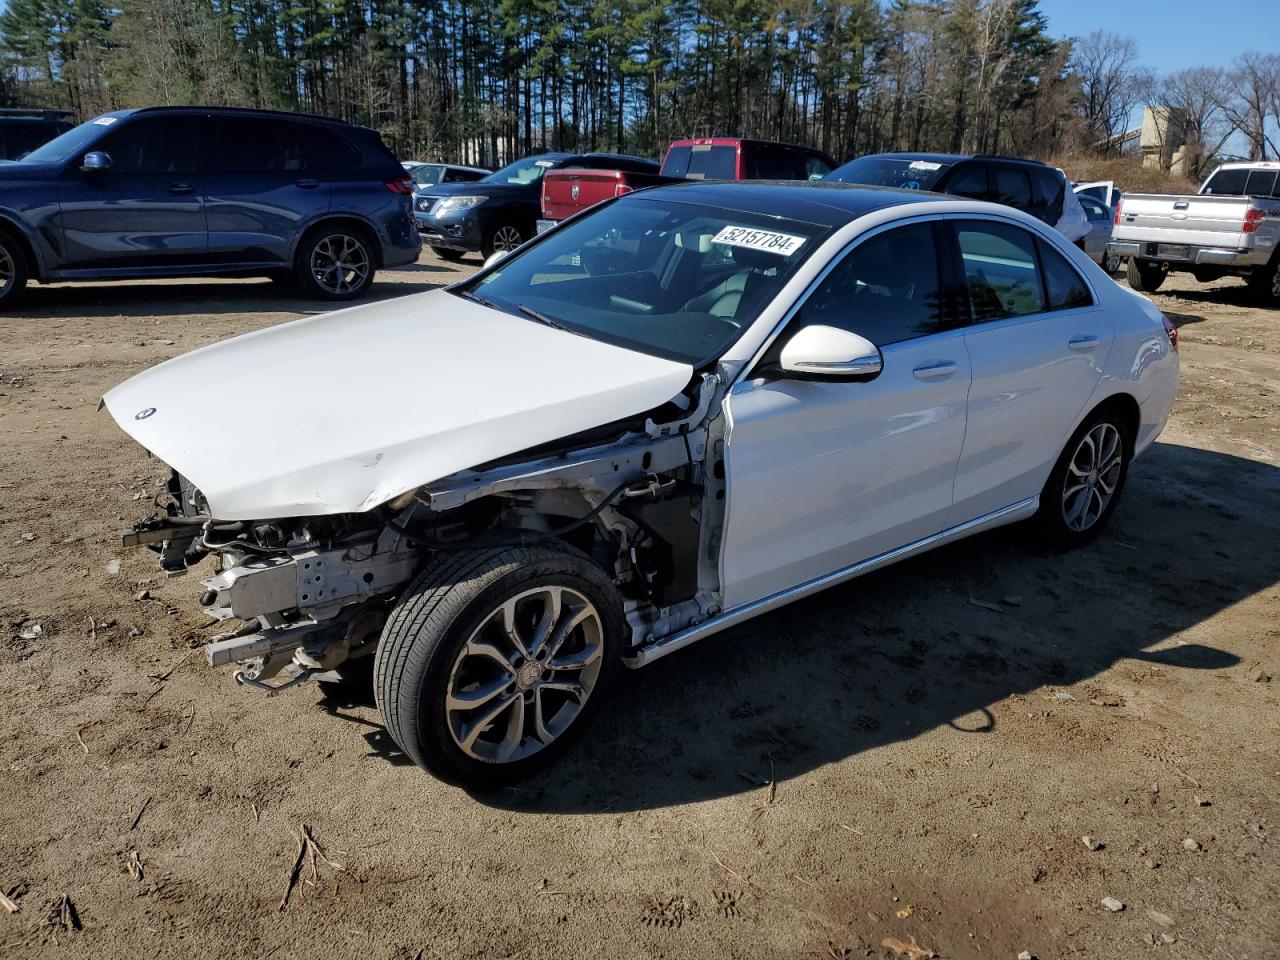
pixel 8 270
pixel 506 238
pixel 524 674
pixel 340 264
pixel 1111 263
pixel 1092 476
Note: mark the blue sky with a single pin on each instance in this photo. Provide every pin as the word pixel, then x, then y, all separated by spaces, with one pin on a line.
pixel 1172 34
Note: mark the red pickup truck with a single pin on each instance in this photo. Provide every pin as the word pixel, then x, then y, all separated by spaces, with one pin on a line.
pixel 572 190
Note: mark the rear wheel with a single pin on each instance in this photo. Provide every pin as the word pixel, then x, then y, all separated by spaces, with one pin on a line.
pixel 1264 283
pixel 502 238
pixel 1145 275
pixel 14 271
pixel 494 660
pixel 1111 263
pixel 444 253
pixel 1085 485
pixel 335 263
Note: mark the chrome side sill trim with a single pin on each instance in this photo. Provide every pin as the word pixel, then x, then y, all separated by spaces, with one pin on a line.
pixel 657 649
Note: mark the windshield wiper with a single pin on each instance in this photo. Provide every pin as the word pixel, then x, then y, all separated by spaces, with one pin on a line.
pixel 476 298
pixel 542 318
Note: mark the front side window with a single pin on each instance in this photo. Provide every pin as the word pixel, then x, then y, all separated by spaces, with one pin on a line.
pixel 427 175
pixel 886 289
pixel 673 279
pixel 1094 210
pixel 969 181
pixel 815 167
pixel 1000 270
pixel 1012 188
pixel 153 145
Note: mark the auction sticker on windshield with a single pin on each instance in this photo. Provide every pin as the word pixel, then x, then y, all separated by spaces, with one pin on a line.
pixel 781 243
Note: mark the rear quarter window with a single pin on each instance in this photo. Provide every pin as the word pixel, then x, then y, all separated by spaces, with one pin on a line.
pixel 1064 288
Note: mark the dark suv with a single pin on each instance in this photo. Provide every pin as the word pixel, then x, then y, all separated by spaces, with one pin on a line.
pixel 21 131
pixel 501 211
pixel 194 191
pixel 1029 185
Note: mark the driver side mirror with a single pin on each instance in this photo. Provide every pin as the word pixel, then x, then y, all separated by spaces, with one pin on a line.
pixel 95 161
pixel 819 352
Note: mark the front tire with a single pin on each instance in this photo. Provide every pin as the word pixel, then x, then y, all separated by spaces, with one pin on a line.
pixel 502 238
pixel 494 660
pixel 1264 284
pixel 1145 276
pixel 335 263
pixel 14 271
pixel 1085 484
pixel 445 253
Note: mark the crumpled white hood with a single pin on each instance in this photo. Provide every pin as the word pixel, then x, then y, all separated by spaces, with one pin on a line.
pixel 342 412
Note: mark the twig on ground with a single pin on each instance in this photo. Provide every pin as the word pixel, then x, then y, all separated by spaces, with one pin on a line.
pixel 134 864
pixel 729 870
pixel 138 819
pixel 773 781
pixel 8 904
pixel 93 630
pixel 293 873
pixel 308 850
pixel 82 743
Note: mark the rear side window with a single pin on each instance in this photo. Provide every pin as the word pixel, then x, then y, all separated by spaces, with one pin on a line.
pixel 1261 183
pixel 768 162
pixel 1000 270
pixel 1228 182
pixel 969 180
pixel 153 145
pixel 1011 187
pixel 1046 195
pixel 1064 288
pixel 702 162
pixel 265 145
pixel 886 289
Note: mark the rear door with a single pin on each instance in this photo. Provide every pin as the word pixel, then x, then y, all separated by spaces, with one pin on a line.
pixel 268 177
pixel 147 210
pixel 1038 343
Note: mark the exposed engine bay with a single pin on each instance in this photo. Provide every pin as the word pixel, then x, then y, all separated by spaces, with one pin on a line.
pixel 305 595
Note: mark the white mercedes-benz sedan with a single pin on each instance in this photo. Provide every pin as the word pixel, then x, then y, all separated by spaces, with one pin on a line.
pixel 687 407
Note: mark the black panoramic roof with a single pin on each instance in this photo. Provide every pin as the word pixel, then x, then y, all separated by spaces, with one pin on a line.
pixel 954 157
pixel 825 202
pixel 240 111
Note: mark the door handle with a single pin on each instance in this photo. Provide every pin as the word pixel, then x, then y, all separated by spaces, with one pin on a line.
pixel 181 187
pixel 1083 343
pixel 935 371
pixel 306 183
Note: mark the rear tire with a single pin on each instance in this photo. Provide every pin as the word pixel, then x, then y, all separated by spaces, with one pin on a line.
pixel 1144 275
pixel 1085 484
pixel 444 253
pixel 1264 284
pixel 335 262
pixel 494 660
pixel 14 271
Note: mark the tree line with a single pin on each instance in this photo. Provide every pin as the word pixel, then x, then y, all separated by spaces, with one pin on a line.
pixel 483 81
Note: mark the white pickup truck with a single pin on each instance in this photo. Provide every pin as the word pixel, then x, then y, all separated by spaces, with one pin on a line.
pixel 1230 228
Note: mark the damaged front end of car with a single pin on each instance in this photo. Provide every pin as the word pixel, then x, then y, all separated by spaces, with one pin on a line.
pixel 643 498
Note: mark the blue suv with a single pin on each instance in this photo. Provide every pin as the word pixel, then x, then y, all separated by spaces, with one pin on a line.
pixel 196 191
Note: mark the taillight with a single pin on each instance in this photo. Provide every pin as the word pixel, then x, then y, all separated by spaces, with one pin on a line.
pixel 1252 217
pixel 620 188
pixel 1171 330
pixel 1119 204
pixel 401 185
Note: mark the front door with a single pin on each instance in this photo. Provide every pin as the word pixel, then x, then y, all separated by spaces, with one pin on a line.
pixel 147 210
pixel 824 474
pixel 1038 343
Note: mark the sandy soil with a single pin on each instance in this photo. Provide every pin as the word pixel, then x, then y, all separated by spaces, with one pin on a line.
pixel 936 762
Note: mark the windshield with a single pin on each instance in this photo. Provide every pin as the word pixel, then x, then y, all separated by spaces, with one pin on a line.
pixel 891 172
pixel 427 174
pixel 72 142
pixel 677 280
pixel 522 172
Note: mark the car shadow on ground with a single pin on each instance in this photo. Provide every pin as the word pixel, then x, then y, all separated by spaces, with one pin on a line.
pixel 256 295
pixel 1230 293
pixel 905 650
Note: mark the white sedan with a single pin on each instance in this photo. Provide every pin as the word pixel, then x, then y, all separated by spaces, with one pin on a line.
pixel 690 406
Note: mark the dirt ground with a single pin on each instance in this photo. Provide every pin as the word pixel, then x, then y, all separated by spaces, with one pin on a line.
pixel 935 761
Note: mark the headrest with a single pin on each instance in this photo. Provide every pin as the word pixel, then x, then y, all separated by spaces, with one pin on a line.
pixel 699 242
